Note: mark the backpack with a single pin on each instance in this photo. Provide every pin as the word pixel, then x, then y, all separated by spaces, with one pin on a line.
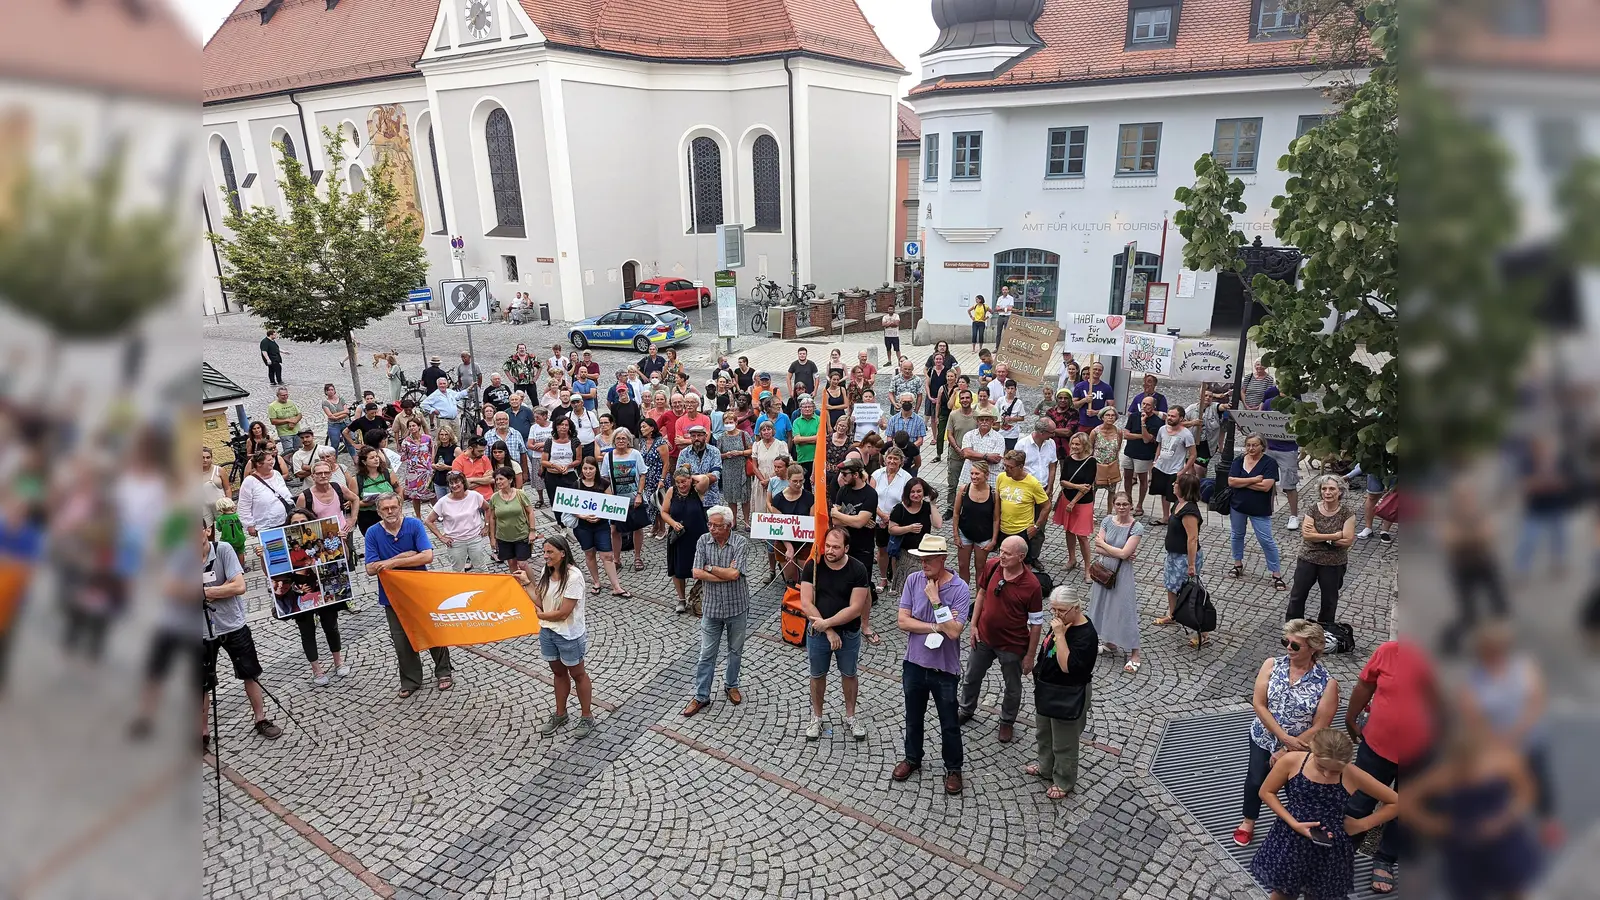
pixel 794 621
pixel 1047 585
pixel 1341 638
pixel 1194 609
pixel 338 491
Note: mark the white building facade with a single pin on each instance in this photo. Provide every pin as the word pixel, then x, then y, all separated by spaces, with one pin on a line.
pixel 1044 159
pixel 577 157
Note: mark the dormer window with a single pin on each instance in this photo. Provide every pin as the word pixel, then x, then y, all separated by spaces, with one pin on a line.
pixel 270 10
pixel 1276 19
pixel 1152 24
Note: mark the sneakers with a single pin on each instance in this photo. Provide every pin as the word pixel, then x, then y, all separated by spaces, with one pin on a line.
pixel 321 680
pixel 682 607
pixel 552 726
pixel 584 729
pixel 814 729
pixel 342 671
pixel 1385 537
pixel 1294 523
pixel 266 729
pixel 1364 533
pixel 858 730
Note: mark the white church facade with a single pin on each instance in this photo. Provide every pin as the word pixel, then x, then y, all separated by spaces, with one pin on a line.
pixel 576 151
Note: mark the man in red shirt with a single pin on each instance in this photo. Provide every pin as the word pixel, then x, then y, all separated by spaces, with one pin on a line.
pixel 689 417
pixel 476 467
pixel 1397 690
pixel 1007 613
pixel 868 370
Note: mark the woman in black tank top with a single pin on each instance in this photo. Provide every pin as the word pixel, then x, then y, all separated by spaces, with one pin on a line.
pixel 977 522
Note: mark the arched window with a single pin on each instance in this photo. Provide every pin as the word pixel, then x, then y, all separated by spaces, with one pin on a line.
pixel 1034 279
pixel 288 148
pixel 767 171
pixel 705 185
pixel 502 147
pixel 438 183
pixel 358 180
pixel 230 182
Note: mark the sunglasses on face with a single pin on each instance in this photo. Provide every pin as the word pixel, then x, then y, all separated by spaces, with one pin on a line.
pixel 1292 645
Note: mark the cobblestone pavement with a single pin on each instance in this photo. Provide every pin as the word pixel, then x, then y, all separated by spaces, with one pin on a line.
pixel 456 795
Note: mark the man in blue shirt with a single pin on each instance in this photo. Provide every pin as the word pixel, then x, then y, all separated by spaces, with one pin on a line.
pixel 1150 391
pixel 1287 455
pixel 584 385
pixel 398 542
pixel 775 415
pixel 521 414
pixel 443 405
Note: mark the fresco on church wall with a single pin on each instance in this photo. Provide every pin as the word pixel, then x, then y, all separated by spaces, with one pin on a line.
pixel 390 137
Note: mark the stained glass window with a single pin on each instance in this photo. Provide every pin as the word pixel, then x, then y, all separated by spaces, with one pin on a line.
pixel 502 147
pixel 705 185
pixel 767 170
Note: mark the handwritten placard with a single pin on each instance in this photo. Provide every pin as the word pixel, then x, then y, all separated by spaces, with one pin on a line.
pixel 589 503
pixel 1199 359
pixel 1148 353
pixel 779 527
pixel 1028 346
pixel 1269 423
pixel 1092 333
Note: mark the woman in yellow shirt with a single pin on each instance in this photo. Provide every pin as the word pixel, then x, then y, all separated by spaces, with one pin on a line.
pixel 980 315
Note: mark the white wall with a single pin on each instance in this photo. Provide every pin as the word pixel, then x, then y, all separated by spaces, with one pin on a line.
pixel 1088 220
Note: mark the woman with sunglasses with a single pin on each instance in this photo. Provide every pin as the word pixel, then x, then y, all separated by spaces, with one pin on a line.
pixel 1294 698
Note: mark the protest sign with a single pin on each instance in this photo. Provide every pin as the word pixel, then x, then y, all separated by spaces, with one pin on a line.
pixel 307 565
pixel 1027 347
pixel 1091 333
pixel 1199 359
pixel 866 416
pixel 588 503
pixel 1148 353
pixel 1270 424
pixel 780 527
pixel 445 609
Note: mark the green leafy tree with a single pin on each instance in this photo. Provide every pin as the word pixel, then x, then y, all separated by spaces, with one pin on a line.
pixel 336 261
pixel 78 258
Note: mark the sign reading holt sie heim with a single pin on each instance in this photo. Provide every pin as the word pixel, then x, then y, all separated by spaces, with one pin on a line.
pixel 588 503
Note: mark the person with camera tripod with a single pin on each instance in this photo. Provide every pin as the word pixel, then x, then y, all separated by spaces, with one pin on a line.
pixel 223 583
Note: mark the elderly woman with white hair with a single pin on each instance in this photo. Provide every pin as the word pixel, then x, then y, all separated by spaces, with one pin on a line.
pixel 1061 677
pixel 1328 529
pixel 1294 698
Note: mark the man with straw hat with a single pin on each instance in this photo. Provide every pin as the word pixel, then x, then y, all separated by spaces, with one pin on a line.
pixel 933 610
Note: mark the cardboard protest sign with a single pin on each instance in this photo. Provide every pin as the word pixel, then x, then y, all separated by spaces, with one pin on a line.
pixel 1148 353
pixel 1091 333
pixel 589 503
pixel 446 609
pixel 1201 359
pixel 866 417
pixel 1028 346
pixel 1270 424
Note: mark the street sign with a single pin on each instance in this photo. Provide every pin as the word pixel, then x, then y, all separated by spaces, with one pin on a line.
pixel 423 295
pixel 730 247
pixel 466 301
pixel 458 247
pixel 913 250
pixel 420 318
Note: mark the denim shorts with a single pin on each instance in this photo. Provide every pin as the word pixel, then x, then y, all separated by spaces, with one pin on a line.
pixel 570 651
pixel 593 536
pixel 818 651
pixel 1376 485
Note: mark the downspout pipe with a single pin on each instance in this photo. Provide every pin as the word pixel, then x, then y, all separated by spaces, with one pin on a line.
pixel 794 207
pixel 305 135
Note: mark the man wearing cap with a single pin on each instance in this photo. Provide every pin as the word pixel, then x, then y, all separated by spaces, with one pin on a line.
pixel 933 610
pixel 1040 450
pixel 432 374
pixel 853 503
pixel 1024 503
pixel 355 434
pixel 982 442
pixel 443 406
pixel 907 420
pixel 764 385
pixel 300 462
pixel 1062 379
pixel 587 364
pixel 1007 614
pixel 705 461
pixel 625 413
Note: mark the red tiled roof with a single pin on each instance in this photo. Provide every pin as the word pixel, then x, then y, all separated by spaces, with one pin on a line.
pixel 910 123
pixel 1571 34
pixel 376 38
pixel 132 46
pixel 1085 41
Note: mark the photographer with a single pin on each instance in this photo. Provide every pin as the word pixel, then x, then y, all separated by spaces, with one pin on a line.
pixel 223 583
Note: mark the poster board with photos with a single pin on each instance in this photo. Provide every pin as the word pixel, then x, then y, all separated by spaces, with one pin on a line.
pixel 308 566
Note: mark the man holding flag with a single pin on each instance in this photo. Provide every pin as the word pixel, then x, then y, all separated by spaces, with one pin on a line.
pixel 401 542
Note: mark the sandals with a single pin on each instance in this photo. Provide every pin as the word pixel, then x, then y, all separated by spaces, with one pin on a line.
pixel 1032 769
pixel 638 565
pixel 623 594
pixel 1200 640
pixel 1384 883
pixel 446 683
pixel 1164 620
pixel 1277 583
pixel 405 693
pixel 1238 570
pixel 873 639
pixel 1131 667
pixel 1056 793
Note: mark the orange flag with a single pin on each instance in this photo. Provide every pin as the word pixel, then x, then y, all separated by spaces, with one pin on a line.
pixel 819 482
pixel 14 577
pixel 446 609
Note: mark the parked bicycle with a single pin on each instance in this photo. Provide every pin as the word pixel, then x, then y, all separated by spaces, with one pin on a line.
pixel 239 464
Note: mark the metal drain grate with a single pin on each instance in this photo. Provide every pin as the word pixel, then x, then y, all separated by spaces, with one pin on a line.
pixel 1202 760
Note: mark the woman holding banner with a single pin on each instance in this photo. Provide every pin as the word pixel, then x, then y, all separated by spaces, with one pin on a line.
pixel 793 500
pixel 766 452
pixel 684 515
pixel 594 533
pixel 627 468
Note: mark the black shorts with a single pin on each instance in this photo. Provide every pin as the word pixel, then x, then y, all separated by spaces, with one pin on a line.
pixel 241 649
pixel 505 551
pixel 164 647
pixel 880 536
pixel 1161 483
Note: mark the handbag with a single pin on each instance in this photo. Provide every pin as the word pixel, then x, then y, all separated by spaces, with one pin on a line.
pixel 697 593
pixel 1059 701
pixel 1388 508
pixel 1194 609
pixel 1103 576
pixel 288 504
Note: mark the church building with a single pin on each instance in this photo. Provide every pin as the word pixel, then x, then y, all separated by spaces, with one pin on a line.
pixel 577 148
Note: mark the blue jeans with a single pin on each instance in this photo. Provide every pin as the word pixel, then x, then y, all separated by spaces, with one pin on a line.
pixel 1263 529
pixel 711 631
pixel 920 683
pixel 1546 530
pixel 335 436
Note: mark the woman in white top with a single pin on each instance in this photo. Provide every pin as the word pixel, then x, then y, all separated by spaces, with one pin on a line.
pixel 262 497
pixel 890 483
pixel 563 637
pixel 213 484
pixel 766 453
pixel 458 526
pixel 1012 412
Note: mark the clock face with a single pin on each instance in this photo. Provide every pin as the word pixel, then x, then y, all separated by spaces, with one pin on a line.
pixel 479 21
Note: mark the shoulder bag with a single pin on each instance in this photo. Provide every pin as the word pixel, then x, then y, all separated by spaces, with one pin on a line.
pixel 1103 576
pixel 1059 701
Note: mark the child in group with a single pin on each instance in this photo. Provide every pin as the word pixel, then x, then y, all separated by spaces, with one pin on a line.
pixel 229 529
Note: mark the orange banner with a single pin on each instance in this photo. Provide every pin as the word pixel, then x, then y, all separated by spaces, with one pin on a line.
pixel 14 577
pixel 819 483
pixel 446 609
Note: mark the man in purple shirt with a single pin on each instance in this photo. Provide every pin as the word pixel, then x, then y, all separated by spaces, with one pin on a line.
pixel 1091 396
pixel 1150 391
pixel 933 609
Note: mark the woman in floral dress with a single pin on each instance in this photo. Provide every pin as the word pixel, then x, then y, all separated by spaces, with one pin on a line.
pixel 653 446
pixel 416 462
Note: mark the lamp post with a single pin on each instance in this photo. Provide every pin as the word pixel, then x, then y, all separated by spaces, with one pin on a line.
pixel 1278 263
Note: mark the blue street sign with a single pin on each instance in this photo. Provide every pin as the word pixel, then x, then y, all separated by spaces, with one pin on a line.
pixel 913 250
pixel 420 295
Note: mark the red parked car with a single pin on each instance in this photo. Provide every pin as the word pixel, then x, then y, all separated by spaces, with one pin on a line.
pixel 678 292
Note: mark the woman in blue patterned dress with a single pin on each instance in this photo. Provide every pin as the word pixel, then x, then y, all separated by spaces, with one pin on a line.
pixel 1294 698
pixel 1310 851
pixel 652 445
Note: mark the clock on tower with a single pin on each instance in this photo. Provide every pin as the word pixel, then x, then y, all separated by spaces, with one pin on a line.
pixel 479 20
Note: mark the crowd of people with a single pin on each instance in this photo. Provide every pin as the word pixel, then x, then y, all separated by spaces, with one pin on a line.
pixel 697 460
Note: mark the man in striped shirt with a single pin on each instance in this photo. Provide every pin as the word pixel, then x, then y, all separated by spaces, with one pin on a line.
pixel 725 608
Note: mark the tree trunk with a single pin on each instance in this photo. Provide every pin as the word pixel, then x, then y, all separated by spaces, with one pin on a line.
pixel 355 371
